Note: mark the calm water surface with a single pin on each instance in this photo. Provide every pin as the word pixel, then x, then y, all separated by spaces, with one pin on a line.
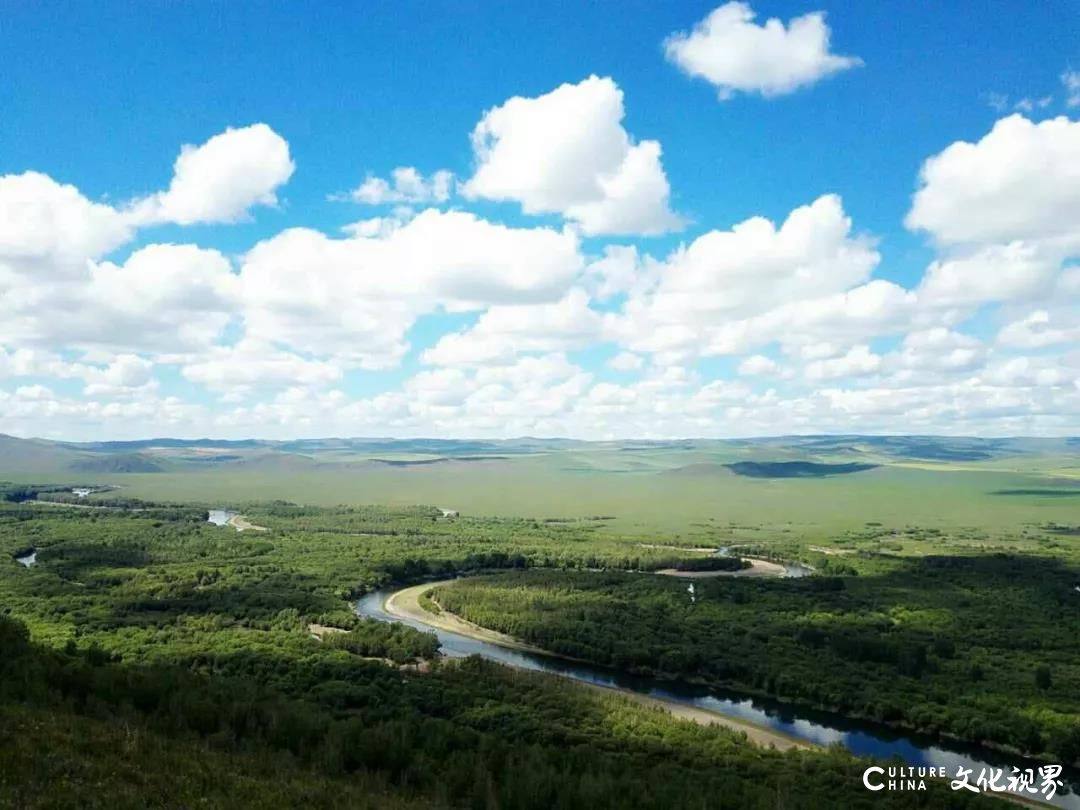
pixel 822 728
pixel 220 517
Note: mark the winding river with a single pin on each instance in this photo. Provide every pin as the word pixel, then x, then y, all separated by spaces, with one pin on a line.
pixel 808 725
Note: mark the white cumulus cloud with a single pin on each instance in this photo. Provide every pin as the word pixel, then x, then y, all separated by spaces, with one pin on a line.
pixel 50 229
pixel 758 365
pixel 355 298
pixel 250 364
pixel 503 332
pixel 566 152
pixel 858 360
pixel 220 180
pixel 729 291
pixel 1012 272
pixel 406 185
pixel 735 54
pixel 626 361
pixel 1021 181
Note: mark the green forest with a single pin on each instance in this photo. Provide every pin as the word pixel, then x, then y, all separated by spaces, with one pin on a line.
pixel 980 648
pixel 142 628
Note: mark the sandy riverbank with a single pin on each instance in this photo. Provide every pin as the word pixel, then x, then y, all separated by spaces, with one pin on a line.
pixel 405 604
pixel 242 524
pixel 703 717
pixel 320 630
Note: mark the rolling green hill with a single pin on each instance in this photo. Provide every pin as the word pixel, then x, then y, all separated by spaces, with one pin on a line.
pixel 123 463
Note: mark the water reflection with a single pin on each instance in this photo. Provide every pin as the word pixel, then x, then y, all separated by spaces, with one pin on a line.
pixel 219 517
pixel 821 728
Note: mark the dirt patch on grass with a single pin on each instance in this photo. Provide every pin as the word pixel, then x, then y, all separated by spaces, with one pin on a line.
pixel 242 524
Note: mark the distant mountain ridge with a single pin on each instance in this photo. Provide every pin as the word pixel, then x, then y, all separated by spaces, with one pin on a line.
pixel 705 456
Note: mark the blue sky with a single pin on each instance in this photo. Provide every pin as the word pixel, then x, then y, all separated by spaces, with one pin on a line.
pixel 100 98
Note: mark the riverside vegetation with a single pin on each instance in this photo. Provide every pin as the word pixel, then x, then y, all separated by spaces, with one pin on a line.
pixel 982 648
pixel 143 633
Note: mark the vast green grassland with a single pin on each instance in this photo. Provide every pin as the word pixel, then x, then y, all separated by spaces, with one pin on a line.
pixel 670 501
pixel 660 487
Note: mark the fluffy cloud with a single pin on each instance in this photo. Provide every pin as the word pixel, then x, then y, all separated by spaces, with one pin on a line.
pixel 1011 272
pixel 566 152
pixel 730 51
pixel 49 229
pixel 1020 182
pixel 620 270
pixel 937 350
pixel 758 365
pixel 406 185
pixel 249 364
pixel 163 295
pixel 307 306
pixel 1041 328
pixel 356 298
pixel 729 291
pixel 531 393
pixel 117 376
pixel 665 402
pixel 125 375
pixel 858 361
pixel 281 333
pixel 165 298
pixel 1005 214
pixel 221 179
pixel 502 332
pixel 1029 372
pixel 35 410
pixel 626 361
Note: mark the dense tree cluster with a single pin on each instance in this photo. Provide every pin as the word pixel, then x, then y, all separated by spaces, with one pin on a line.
pixel 397 642
pixel 981 648
pixel 711 563
pixel 144 622
pixel 470 734
pixel 19 493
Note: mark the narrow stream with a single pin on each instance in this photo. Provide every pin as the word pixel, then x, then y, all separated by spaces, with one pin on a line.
pixel 819 727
